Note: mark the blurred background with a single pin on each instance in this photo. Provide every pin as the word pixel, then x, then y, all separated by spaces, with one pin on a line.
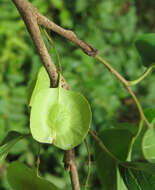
pixel 111 26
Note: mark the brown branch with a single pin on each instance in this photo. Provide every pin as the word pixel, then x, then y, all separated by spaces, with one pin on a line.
pixel 31 17
pixel 68 34
pixel 70 166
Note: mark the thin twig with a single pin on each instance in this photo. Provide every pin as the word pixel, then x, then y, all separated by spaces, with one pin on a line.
pixel 134 82
pixel 38 160
pixel 29 15
pixel 68 34
pixel 89 164
pixel 52 44
pixel 140 126
pixel 138 106
pixel 127 85
pixel 102 146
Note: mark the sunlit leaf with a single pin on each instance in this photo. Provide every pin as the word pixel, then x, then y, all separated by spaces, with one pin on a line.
pixel 20 177
pixel 61 117
pixel 42 82
pixel 148 144
pixel 137 152
pixel 120 182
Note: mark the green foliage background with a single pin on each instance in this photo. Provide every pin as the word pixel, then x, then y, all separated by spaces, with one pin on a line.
pixel 108 25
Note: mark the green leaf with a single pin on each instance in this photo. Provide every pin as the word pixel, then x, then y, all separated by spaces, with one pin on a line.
pixel 141 166
pixel 150 114
pixel 11 139
pixel 42 82
pixel 148 143
pixel 20 177
pixel 137 151
pixel 60 117
pixel 145 45
pixel 133 128
pixel 118 143
pixel 137 179
pixel 113 138
pixel 106 169
pixel 120 182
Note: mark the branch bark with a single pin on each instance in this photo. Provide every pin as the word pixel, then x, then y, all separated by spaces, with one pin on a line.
pixel 33 19
pixel 68 34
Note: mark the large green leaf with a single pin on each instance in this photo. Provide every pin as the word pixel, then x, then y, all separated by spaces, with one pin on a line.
pixel 20 177
pixel 145 45
pixel 60 117
pixel 137 179
pixel 133 128
pixel 117 141
pixel 106 169
pixel 11 139
pixel 42 82
pixel 148 144
pixel 107 166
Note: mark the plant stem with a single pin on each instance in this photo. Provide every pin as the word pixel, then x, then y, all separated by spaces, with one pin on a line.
pixel 38 162
pixel 100 143
pixel 140 126
pixel 138 106
pixel 89 164
pixel 127 85
pixel 70 166
pixel 125 164
pixel 134 82
pixel 112 70
pixel 52 44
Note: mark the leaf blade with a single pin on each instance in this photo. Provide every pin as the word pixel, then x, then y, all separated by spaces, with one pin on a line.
pixel 12 138
pixel 20 177
pixel 62 113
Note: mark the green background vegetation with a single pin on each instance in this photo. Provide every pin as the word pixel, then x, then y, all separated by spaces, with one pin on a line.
pixel 111 26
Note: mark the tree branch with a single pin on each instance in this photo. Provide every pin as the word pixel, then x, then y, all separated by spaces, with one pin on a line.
pixel 68 34
pixel 30 16
pixel 70 166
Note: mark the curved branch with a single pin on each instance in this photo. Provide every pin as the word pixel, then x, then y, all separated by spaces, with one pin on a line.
pixel 68 34
pixel 127 86
pixel 146 72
